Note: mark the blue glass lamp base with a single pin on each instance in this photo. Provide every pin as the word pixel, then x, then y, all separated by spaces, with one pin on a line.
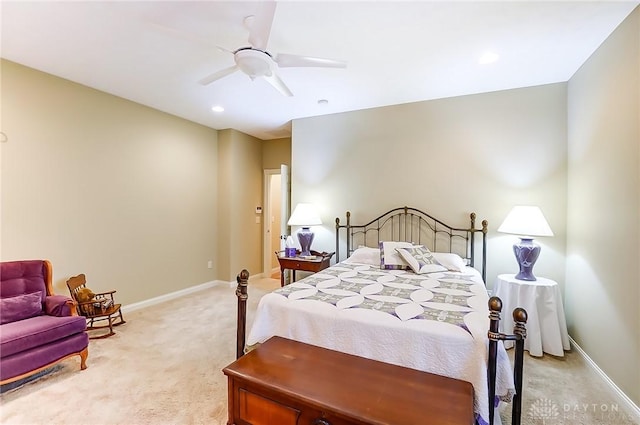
pixel 305 237
pixel 527 252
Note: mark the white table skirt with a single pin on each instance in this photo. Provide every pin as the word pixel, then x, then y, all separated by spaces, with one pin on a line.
pixel 546 324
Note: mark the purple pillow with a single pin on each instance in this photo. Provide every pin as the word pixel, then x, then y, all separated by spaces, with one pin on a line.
pixel 20 307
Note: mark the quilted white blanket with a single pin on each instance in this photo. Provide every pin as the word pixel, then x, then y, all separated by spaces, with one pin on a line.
pixel 435 322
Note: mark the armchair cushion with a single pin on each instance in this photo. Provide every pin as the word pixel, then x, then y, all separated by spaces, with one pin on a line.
pixel 39 331
pixel 57 305
pixel 20 307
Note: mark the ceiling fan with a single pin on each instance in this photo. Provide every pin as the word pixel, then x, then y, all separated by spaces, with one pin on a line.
pixel 255 61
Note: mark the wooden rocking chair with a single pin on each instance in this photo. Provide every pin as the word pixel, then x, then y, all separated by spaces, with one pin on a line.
pixel 102 308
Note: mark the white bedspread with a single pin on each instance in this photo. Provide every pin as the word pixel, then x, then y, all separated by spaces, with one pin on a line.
pixel 436 323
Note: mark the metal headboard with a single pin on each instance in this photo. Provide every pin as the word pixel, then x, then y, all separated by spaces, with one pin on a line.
pixel 412 225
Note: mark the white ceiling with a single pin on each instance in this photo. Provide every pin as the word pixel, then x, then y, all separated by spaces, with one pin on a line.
pixel 155 52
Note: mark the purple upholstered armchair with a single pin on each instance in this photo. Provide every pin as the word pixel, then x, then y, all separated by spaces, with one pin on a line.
pixel 37 328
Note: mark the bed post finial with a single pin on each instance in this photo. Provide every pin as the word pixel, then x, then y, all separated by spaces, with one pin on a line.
pixel 485 226
pixel 241 293
pixel 495 305
pixel 473 220
pixel 519 318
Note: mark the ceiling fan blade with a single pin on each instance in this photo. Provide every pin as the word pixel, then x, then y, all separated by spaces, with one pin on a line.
pixel 276 82
pixel 224 49
pixel 286 60
pixel 217 75
pixel 260 25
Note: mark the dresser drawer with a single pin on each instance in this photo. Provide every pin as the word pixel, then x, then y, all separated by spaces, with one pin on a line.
pixel 257 410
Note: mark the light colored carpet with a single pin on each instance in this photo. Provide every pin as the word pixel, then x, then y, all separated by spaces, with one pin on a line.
pixel 164 367
pixel 566 391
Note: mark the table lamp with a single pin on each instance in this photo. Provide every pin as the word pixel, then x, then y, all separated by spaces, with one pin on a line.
pixel 526 222
pixel 304 215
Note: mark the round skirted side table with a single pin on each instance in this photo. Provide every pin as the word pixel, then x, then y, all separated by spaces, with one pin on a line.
pixel 546 324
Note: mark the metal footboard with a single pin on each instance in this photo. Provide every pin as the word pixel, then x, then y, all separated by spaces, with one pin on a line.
pixel 519 335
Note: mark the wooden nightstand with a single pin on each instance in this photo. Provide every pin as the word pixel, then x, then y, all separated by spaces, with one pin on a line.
pixel 320 262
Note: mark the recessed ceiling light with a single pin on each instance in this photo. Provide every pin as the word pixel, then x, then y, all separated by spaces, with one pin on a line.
pixel 217 108
pixel 323 102
pixel 488 57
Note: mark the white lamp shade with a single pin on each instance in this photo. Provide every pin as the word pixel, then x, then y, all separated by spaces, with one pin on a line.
pixel 526 221
pixel 304 215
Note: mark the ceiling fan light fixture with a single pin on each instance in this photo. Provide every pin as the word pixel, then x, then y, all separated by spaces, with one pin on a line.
pixel 254 63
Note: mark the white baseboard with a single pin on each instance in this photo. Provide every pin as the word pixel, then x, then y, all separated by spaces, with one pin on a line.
pixel 233 283
pixel 171 296
pixel 267 274
pixel 180 293
pixel 622 397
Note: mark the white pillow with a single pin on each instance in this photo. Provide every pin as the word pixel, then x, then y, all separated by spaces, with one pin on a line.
pixel 365 255
pixel 420 259
pixel 389 257
pixel 453 262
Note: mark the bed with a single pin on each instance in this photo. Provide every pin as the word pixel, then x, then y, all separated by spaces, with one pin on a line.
pixel 406 292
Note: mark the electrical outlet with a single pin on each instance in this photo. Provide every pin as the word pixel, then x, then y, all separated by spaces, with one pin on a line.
pixel 210 264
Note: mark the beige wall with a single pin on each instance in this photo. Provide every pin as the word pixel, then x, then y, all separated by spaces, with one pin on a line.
pixel 603 215
pixel 240 187
pixel 276 152
pixel 115 190
pixel 483 153
pixel 106 187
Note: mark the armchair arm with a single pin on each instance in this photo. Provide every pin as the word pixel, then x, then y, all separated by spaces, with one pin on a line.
pixel 59 305
pixel 73 306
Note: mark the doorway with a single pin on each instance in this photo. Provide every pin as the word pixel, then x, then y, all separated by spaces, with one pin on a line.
pixel 276 214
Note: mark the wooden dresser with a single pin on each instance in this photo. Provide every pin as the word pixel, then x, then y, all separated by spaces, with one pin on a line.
pixel 285 382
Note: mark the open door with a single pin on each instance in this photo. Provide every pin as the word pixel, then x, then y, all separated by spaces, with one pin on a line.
pixel 285 195
pixel 276 215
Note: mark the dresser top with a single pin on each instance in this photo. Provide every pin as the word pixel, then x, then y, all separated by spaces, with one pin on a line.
pixel 355 387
